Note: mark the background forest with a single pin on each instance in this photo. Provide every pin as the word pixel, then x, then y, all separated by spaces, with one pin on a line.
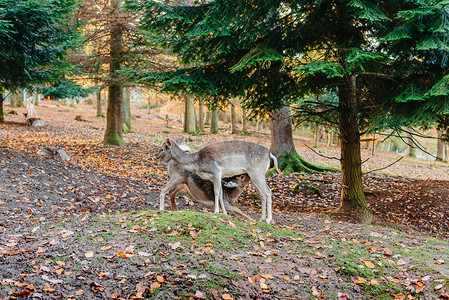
pixel 346 93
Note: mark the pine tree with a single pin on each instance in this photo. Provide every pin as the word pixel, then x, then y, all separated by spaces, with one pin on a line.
pixel 385 62
pixel 33 41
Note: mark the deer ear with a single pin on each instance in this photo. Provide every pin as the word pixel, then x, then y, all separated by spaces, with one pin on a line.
pixel 179 140
pixel 168 142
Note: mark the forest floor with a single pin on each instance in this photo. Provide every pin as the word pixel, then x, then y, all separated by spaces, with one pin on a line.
pixel 89 228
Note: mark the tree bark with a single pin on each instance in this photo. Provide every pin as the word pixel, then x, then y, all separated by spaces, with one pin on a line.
pixel 2 118
pixel 353 202
pixel 127 108
pixel 189 115
pixel 114 118
pixel 214 121
pixel 441 147
pixel 233 119
pixel 99 104
pixel 316 136
pixel 244 121
pixel 201 116
pixel 17 99
pixel 282 142
pixel 411 144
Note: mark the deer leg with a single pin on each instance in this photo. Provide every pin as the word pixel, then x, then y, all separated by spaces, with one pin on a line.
pixel 170 186
pixel 265 194
pixel 237 210
pixel 218 193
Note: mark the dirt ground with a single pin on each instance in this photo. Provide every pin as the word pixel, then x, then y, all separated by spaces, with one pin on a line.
pixel 38 190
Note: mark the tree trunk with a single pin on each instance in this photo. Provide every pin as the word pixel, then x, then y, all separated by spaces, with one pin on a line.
pixel 330 137
pixel 17 99
pixel 316 136
pixel 244 121
pixel 233 119
pixel 283 146
pixel 127 108
pixel 201 116
pixel 189 115
pixel 36 99
pixel 99 104
pixel 282 133
pixel 114 118
pixel 214 121
pixel 411 144
pixel 353 202
pixel 2 118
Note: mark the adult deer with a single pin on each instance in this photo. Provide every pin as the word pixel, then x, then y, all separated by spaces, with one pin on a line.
pixel 200 189
pixel 228 159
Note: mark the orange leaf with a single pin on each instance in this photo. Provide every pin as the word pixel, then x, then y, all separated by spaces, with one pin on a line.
pixel 369 264
pixel 122 254
pixel 48 288
pixel 160 279
pixel 79 292
pixel 374 282
pixel 227 297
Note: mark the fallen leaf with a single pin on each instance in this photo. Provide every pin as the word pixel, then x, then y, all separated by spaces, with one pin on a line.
pixel 160 279
pixel 89 254
pixel 48 288
pixel 369 264
pixel 227 297
pixel 105 248
pixel 175 245
pixel 79 292
pixel 374 282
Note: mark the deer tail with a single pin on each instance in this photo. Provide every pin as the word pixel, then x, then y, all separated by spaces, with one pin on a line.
pixel 275 161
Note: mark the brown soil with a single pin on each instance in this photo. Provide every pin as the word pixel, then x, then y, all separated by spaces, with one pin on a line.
pixel 37 190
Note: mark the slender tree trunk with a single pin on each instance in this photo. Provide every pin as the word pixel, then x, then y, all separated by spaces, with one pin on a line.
pixel 441 147
pixel 208 117
pixel 99 104
pixel 330 137
pixel 114 119
pixel 189 112
pixel 127 108
pixel 233 119
pixel 36 99
pixel 2 118
pixel 244 121
pixel 353 202
pixel 201 116
pixel 411 144
pixel 316 136
pixel 214 121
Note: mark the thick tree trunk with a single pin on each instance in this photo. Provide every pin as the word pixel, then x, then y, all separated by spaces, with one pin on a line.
pixel 201 116
pixel 233 119
pixel 282 133
pixel 189 115
pixel 353 202
pixel 127 108
pixel 114 119
pixel 283 146
pixel 2 118
pixel 214 121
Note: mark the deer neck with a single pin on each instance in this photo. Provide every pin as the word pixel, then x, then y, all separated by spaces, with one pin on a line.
pixel 184 159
